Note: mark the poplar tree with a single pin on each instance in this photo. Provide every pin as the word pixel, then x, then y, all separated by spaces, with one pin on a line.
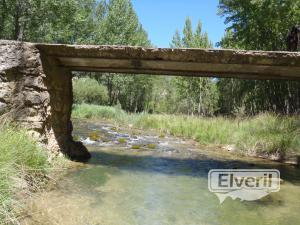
pixel 196 95
pixel 259 25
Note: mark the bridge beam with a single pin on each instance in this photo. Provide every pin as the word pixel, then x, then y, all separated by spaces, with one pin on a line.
pixel 185 62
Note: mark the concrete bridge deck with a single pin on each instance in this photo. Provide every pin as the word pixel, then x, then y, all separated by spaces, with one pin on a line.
pixel 188 62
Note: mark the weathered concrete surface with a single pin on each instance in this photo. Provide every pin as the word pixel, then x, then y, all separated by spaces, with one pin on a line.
pixel 189 62
pixel 33 94
pixel 36 82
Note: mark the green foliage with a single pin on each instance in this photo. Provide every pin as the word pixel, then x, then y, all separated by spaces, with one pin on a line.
pixel 258 25
pixel 230 98
pixel 191 39
pixel 194 95
pixel 270 133
pixel 132 92
pixel 265 133
pixel 17 148
pixel 228 41
pixel 68 21
pixel 87 90
pixel 120 26
pixel 20 158
pixel 255 96
pixel 163 97
pixel 197 95
pixel 94 111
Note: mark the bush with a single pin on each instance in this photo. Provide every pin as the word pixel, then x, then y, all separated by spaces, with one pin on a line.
pixel 95 111
pixel 87 90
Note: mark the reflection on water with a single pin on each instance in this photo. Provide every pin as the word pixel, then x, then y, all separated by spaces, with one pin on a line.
pixel 159 186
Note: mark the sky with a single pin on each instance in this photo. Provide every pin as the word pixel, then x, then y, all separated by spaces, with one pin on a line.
pixel 161 18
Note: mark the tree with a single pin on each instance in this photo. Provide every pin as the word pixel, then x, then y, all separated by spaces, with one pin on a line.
pixel 120 26
pixel 197 95
pixel 52 21
pixel 259 25
pixel 87 90
pixel 83 22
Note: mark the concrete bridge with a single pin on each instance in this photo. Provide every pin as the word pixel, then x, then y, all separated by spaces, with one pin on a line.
pixel 36 79
pixel 188 62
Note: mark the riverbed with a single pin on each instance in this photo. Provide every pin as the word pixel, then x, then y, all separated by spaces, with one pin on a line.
pixel 143 178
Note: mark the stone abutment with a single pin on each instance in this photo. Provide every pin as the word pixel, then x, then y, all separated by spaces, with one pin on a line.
pixel 37 94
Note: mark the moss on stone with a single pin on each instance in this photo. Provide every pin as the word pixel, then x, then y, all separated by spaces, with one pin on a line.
pixel 122 140
pixel 136 146
pixel 151 146
pixel 94 136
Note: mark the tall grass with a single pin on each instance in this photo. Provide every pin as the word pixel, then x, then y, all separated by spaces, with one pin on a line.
pixel 21 161
pixel 265 133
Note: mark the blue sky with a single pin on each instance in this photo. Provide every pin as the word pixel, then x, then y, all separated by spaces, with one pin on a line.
pixel 161 18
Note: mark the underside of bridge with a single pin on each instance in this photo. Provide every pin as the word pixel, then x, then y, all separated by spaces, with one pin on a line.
pixel 36 79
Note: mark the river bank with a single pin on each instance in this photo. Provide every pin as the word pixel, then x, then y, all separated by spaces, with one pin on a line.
pixel 267 136
pixel 25 171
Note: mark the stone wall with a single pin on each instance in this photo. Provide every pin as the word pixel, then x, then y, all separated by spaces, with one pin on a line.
pixel 37 94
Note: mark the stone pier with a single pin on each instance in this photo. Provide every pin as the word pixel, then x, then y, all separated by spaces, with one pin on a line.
pixel 37 94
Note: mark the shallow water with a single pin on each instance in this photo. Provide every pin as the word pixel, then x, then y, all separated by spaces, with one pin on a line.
pixel 162 185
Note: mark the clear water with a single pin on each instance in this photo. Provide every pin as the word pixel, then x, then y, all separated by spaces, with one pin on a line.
pixel 162 186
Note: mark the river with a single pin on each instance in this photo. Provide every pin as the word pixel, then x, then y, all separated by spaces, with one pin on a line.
pixel 141 178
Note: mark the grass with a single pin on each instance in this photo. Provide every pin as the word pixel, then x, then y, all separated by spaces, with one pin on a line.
pixel 265 133
pixel 95 111
pixel 23 167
